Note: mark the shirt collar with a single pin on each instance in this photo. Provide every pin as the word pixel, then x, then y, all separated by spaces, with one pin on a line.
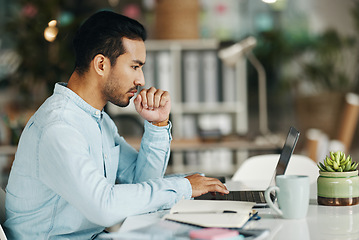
pixel 61 88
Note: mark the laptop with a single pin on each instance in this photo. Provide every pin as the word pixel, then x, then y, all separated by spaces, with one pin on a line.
pixel 257 196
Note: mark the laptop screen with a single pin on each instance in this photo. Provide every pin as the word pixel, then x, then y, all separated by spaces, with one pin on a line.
pixel 287 150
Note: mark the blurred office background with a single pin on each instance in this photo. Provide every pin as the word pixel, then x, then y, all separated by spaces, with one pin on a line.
pixel 308 49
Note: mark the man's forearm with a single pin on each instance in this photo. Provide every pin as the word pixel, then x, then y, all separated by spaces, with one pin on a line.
pixel 154 153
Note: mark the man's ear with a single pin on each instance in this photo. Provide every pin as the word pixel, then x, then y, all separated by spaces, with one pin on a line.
pixel 100 64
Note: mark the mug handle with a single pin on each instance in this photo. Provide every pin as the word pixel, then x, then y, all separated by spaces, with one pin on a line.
pixel 269 200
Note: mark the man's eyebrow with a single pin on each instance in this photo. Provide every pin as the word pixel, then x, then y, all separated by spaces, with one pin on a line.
pixel 138 62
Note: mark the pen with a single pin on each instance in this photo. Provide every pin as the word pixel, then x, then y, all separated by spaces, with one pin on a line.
pixel 254 216
pixel 208 212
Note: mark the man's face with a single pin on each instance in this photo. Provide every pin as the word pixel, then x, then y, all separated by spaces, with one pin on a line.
pixel 126 75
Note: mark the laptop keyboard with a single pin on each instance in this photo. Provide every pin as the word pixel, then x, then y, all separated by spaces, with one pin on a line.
pixel 249 196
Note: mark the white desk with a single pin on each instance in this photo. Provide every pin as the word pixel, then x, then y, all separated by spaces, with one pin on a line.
pixel 322 222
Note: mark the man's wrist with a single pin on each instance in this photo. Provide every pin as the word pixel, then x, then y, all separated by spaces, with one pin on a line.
pixel 161 124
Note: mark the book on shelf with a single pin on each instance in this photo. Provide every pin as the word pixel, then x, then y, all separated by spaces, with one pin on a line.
pixel 228 84
pixel 218 161
pixel 191 161
pixel 149 70
pixel 210 78
pixel 191 76
pixel 190 131
pixel 164 72
pixel 220 121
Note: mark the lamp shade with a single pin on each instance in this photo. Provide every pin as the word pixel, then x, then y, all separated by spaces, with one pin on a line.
pixel 231 55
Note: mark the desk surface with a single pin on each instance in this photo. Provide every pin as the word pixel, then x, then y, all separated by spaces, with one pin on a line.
pixel 322 222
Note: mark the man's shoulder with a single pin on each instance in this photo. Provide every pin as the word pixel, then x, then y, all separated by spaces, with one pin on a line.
pixel 59 111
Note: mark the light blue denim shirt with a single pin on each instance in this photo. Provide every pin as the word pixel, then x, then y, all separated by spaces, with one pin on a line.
pixel 73 175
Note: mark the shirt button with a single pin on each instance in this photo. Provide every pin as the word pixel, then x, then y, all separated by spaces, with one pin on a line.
pixel 97 112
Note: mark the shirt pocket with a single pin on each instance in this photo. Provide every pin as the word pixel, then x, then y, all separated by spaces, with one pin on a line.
pixel 112 164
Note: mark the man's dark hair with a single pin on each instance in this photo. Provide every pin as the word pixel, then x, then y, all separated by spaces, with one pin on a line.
pixel 102 33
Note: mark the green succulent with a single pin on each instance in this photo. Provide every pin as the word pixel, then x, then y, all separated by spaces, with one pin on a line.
pixel 337 162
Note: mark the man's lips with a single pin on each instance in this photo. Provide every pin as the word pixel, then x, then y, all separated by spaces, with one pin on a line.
pixel 133 92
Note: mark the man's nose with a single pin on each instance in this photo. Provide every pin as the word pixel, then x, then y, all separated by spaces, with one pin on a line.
pixel 140 80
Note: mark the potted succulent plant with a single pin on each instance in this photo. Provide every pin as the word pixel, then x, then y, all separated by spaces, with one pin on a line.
pixel 338 181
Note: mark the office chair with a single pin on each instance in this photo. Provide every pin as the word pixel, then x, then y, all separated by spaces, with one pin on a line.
pixel 262 167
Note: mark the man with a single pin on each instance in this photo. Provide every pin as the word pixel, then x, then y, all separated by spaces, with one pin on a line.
pixel 73 175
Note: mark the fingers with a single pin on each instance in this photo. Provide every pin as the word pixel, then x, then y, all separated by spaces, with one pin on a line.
pixel 214 185
pixel 154 105
pixel 201 185
pixel 147 97
pixel 143 95
pixel 137 102
pixel 154 98
pixel 164 99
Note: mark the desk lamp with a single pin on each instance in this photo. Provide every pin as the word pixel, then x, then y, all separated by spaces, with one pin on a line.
pixel 231 55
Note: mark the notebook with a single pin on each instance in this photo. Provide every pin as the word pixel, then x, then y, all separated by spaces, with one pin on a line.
pixel 257 196
pixel 208 213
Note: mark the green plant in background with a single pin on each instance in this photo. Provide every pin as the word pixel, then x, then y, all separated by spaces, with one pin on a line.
pixel 337 162
pixel 325 62
pixel 355 16
pixel 43 62
pixel 319 63
pixel 304 61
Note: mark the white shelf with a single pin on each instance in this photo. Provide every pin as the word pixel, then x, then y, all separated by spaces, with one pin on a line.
pixel 206 163
pixel 218 107
pixel 193 74
pixel 185 108
pixel 175 49
pixel 168 45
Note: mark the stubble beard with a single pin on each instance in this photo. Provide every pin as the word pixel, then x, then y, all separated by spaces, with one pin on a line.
pixel 111 92
pixel 119 100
